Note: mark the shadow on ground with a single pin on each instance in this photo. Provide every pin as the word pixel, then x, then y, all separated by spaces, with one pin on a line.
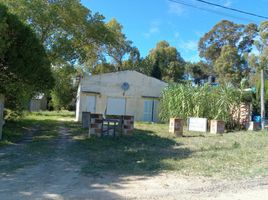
pixel 49 162
pixel 143 153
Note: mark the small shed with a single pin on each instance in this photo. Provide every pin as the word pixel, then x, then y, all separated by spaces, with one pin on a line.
pixel 38 103
pixel 1 114
pixel 120 93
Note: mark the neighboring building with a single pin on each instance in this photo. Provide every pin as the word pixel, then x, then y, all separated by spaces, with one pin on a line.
pixel 1 114
pixel 120 93
pixel 38 103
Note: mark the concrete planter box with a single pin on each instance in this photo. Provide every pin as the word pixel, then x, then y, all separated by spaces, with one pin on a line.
pixel 253 126
pixel 217 126
pixel 85 119
pixel 176 126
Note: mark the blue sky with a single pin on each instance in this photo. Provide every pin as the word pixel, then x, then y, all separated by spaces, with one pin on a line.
pixel 146 22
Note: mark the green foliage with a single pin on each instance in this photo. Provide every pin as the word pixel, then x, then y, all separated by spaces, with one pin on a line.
pixel 156 72
pixel 103 68
pixel 64 91
pixel 121 48
pixel 225 47
pixel 134 61
pixel 229 66
pixel 198 71
pixel 169 61
pixel 67 29
pixel 260 60
pixel 149 150
pixel 185 101
pixel 226 33
pixel 24 64
pixel 256 105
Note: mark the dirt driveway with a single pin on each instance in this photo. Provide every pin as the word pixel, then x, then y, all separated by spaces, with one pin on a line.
pixel 52 174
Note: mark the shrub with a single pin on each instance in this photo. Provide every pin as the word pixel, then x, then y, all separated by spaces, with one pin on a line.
pixel 185 101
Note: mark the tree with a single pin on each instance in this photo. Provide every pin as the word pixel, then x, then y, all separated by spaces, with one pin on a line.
pixel 225 41
pixel 226 33
pixel 134 61
pixel 64 91
pixel 229 66
pixel 70 33
pixel 68 30
pixel 24 64
pixel 118 50
pixel 260 60
pixel 103 68
pixel 198 71
pixel 156 72
pixel 169 61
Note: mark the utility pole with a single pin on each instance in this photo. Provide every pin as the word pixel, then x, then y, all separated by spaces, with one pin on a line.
pixel 262 101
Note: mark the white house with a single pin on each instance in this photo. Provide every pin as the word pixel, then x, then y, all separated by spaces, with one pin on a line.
pixel 120 93
pixel 38 102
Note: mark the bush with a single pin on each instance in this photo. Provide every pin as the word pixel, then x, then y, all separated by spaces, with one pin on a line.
pixel 185 101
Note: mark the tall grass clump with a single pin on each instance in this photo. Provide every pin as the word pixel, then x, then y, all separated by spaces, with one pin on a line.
pixel 183 101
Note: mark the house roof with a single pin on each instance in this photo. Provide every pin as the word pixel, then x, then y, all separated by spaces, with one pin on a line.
pixel 125 71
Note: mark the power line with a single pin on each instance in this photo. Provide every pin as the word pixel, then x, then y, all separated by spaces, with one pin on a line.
pixel 209 10
pixel 233 9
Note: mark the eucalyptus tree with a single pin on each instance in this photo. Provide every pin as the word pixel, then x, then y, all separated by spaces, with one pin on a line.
pixel 122 47
pixel 168 60
pixel 259 60
pixel 198 71
pixel 227 40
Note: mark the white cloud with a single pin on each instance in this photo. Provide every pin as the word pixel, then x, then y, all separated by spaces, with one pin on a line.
pixel 227 3
pixel 154 29
pixel 194 58
pixel 176 35
pixel 175 8
pixel 190 45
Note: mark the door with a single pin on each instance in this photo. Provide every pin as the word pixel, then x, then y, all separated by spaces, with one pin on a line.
pixel 90 104
pixel 148 110
pixel 116 106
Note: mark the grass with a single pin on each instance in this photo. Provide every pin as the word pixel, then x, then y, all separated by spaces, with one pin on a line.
pixel 45 122
pixel 151 149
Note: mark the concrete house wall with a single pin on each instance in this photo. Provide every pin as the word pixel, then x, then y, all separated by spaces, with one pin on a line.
pixel 38 103
pixel 97 93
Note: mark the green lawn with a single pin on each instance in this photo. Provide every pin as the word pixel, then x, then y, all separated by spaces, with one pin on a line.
pixel 151 149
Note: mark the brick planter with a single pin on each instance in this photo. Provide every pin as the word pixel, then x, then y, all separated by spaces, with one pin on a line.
pixel 217 126
pixel 128 124
pixel 95 124
pixel 176 126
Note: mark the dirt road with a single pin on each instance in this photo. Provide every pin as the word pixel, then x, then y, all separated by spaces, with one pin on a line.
pixel 57 177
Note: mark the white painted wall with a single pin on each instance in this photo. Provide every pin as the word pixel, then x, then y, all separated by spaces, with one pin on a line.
pixel 108 85
pixel 116 106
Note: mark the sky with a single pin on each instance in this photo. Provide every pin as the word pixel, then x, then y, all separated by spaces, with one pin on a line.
pixel 146 22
